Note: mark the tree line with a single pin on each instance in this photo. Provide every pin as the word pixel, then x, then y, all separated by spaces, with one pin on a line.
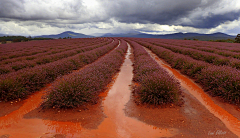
pixel 4 39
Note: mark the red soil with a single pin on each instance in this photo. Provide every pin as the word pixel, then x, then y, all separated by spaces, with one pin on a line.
pixel 118 116
pixel 195 91
pixel 10 106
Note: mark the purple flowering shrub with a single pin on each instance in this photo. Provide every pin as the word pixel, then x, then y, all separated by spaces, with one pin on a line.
pixel 18 50
pixel 184 63
pixel 84 86
pixel 222 81
pixel 11 89
pixel 232 47
pixel 217 51
pixel 29 80
pixel 204 56
pixel 43 59
pixel 156 86
pixel 158 89
pixel 224 49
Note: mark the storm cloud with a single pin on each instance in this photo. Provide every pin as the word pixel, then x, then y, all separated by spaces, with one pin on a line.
pixel 107 14
pixel 171 12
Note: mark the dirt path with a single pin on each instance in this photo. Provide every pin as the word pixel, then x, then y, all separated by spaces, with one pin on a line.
pixel 26 119
pixel 119 116
pixel 116 123
pixel 199 116
pixel 11 106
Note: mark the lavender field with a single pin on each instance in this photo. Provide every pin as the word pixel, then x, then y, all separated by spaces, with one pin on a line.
pixel 218 74
pixel 104 82
pixel 29 66
pixel 21 83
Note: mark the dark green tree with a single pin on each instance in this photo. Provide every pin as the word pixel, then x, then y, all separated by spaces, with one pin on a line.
pixel 237 39
pixel 25 39
pixel 16 40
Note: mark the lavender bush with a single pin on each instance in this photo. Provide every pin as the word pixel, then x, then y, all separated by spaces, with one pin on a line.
pixel 204 56
pixel 222 81
pixel 156 86
pixel 29 80
pixel 84 86
pixel 15 50
pixel 15 66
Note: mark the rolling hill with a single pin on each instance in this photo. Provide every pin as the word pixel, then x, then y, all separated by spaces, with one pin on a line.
pixel 65 34
pixel 214 36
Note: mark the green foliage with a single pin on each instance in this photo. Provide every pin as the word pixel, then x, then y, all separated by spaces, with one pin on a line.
pixel 223 40
pixel 66 37
pixel 11 38
pixel 237 39
pixel 4 39
pixel 16 40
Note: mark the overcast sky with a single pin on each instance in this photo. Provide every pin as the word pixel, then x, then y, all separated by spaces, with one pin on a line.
pixel 39 17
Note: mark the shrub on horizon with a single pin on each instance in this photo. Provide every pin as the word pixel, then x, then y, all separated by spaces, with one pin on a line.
pixel 237 39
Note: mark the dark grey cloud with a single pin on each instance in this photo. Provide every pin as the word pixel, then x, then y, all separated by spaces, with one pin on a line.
pixel 168 12
pixel 213 20
pixel 70 13
pixel 9 8
pixel 154 11
pixel 26 10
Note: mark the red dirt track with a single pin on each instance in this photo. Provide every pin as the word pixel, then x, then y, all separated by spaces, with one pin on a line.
pixel 117 114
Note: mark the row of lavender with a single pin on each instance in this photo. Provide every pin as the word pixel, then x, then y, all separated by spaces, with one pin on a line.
pixel 233 47
pixel 15 50
pixel 49 50
pixel 225 53
pixel 24 82
pixel 211 47
pixel 25 46
pixel 84 86
pixel 4 69
pixel 222 81
pixel 156 86
pixel 211 58
pixel 219 52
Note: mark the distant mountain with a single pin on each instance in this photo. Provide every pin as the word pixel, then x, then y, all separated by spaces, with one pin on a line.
pixel 214 36
pixel 140 35
pixel 66 34
pixel 98 34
